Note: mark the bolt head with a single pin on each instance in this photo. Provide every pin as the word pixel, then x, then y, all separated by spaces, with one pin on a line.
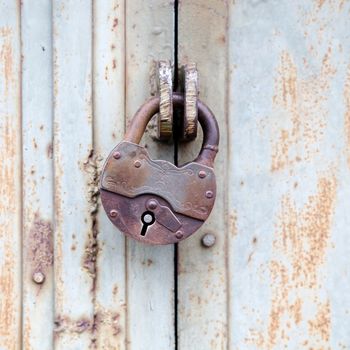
pixel 209 194
pixel 152 204
pixel 208 240
pixel 116 155
pixel 113 213
pixel 137 163
pixel 38 277
pixel 202 174
pixel 179 234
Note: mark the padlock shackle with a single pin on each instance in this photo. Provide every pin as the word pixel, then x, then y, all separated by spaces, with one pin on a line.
pixel 206 119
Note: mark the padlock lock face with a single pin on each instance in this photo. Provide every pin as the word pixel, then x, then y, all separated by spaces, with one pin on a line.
pixel 154 201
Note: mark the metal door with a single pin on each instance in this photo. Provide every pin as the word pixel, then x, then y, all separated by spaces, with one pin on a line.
pixel 276 74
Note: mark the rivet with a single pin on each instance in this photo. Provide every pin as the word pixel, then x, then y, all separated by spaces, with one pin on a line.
pixel 202 174
pixel 116 155
pixel 209 194
pixel 113 213
pixel 38 277
pixel 208 240
pixel 179 234
pixel 152 204
pixel 137 163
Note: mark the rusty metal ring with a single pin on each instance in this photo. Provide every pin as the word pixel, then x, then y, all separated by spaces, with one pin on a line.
pixel 206 119
pixel 165 116
pixel 190 116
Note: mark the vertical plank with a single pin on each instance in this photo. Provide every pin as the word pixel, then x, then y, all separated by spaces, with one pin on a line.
pixel 202 307
pixel 37 175
pixel 289 193
pixel 150 270
pixel 10 176
pixel 109 120
pixel 75 177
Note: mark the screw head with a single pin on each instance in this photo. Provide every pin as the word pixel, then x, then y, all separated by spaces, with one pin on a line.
pixel 152 204
pixel 137 163
pixel 179 234
pixel 38 277
pixel 116 155
pixel 113 213
pixel 209 194
pixel 208 240
pixel 202 174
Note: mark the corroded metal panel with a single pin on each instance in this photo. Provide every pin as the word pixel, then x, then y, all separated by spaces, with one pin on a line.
pixel 289 174
pixel 202 278
pixel 109 120
pixel 37 312
pixel 74 175
pixel 10 176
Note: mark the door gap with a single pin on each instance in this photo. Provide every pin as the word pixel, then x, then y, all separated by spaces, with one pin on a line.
pixel 176 149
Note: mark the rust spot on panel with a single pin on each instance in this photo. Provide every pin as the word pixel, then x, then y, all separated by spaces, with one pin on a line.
pixel 320 3
pixel 115 23
pixel 299 251
pixel 347 114
pixel 6 58
pixel 40 241
pixel 49 151
pixel 300 112
pixel 233 223
pixel 106 319
pixel 320 326
pixel 64 324
pixel 9 194
pixel 91 166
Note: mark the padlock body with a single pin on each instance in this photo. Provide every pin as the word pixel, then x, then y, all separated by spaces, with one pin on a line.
pixel 131 179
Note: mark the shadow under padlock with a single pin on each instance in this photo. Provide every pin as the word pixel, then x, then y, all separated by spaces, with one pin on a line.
pixel 154 201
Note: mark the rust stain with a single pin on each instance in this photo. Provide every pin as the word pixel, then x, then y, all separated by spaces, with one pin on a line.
pixel 320 326
pixel 233 223
pixel 115 23
pixel 300 107
pixel 320 3
pixel 64 324
pixel 6 57
pixel 347 113
pixel 299 252
pixel 91 167
pixel 40 249
pixel 9 195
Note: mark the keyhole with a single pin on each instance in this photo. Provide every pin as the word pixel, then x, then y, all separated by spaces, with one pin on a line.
pixel 147 220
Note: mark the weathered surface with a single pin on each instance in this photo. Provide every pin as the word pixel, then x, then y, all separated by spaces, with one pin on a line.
pixel 10 176
pixel 150 270
pixel 109 121
pixel 37 175
pixel 289 187
pixel 202 280
pixel 272 271
pixel 75 175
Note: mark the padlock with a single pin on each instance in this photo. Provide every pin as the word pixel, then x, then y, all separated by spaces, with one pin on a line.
pixel 154 201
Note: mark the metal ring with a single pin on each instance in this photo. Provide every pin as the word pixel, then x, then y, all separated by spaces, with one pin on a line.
pixel 206 119
pixel 190 116
pixel 165 116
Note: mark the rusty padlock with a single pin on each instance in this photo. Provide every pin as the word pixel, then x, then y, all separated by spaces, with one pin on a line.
pixel 154 201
